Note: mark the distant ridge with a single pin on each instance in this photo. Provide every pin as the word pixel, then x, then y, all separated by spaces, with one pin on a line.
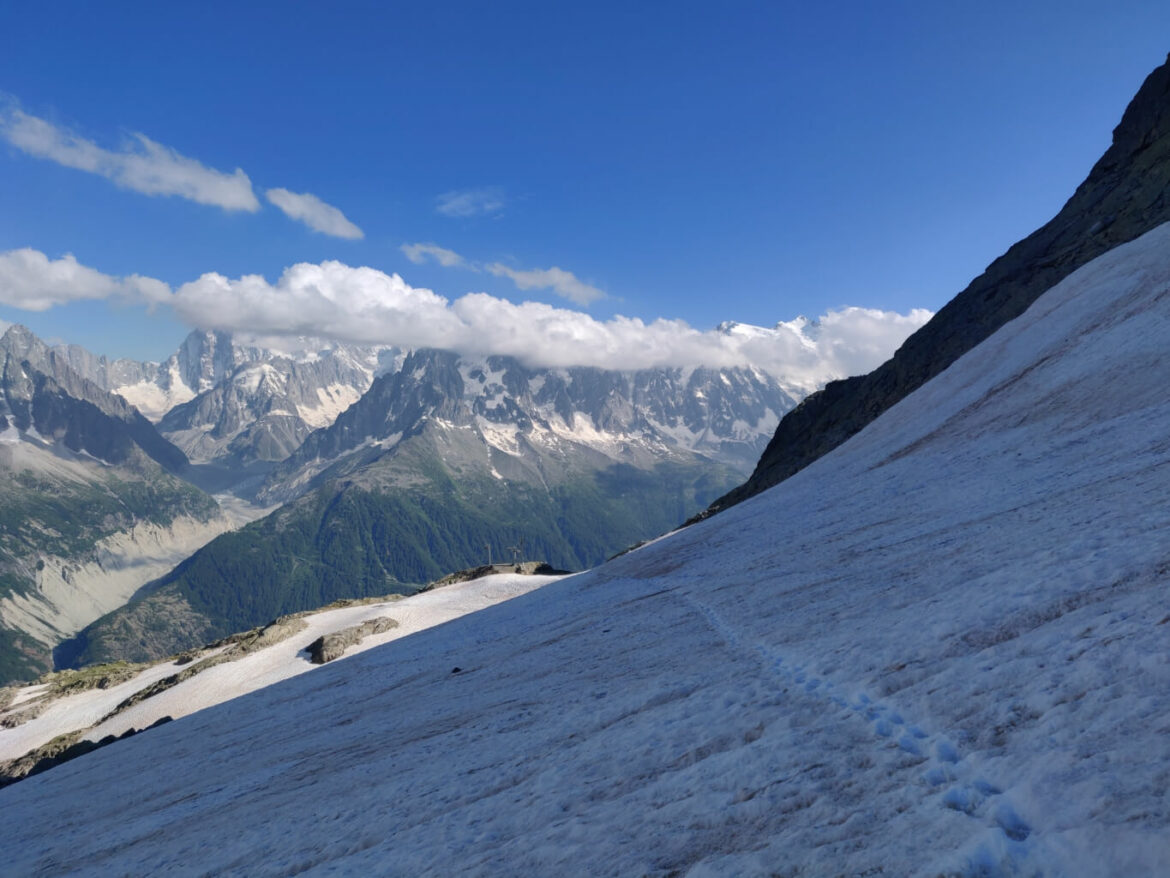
pixel 1124 196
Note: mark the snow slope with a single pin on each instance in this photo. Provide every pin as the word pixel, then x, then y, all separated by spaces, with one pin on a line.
pixel 942 648
pixel 253 671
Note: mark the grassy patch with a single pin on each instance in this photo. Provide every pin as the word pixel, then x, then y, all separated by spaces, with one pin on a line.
pixel 62 683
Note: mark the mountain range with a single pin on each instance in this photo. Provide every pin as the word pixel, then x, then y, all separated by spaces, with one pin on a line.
pixel 445 461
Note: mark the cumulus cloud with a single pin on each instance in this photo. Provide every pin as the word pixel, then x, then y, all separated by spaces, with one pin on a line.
pixel 367 306
pixel 140 164
pixel 329 300
pixel 342 303
pixel 420 253
pixel 564 283
pixel 471 202
pixel 33 282
pixel 314 213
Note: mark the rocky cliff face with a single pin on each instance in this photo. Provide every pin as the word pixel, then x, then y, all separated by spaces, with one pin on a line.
pixel 1126 194
pixel 722 415
pixel 202 361
pixel 263 410
pixel 42 396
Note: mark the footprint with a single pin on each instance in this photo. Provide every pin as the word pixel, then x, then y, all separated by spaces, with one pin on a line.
pixel 1011 823
pixel 946 751
pixel 910 745
pixel 962 799
pixel 986 788
pixel 938 776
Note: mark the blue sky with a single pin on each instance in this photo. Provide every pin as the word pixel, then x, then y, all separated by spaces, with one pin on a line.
pixel 697 162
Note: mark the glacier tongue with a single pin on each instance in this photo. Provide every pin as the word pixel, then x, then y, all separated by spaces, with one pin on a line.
pixel 940 648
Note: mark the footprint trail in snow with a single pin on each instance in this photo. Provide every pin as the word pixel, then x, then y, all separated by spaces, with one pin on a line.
pixel 946 770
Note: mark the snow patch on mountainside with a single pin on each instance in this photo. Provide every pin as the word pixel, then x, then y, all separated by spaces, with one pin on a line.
pixel 333 400
pixel 253 671
pixel 503 437
pixel 153 400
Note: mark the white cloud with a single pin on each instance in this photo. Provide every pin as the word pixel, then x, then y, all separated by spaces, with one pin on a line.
pixel 141 164
pixel 564 283
pixel 335 301
pixel 314 213
pixel 31 281
pixel 329 300
pixel 364 305
pixel 471 202
pixel 420 253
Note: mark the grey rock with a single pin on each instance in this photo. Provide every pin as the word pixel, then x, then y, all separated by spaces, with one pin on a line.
pixel 328 647
pixel 40 391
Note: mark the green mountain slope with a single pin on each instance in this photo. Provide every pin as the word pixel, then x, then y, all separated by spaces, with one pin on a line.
pixel 430 505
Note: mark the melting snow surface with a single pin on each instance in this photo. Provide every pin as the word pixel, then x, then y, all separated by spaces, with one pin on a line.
pixel 940 649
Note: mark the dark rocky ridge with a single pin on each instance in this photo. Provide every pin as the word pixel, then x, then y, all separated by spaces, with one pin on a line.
pixel 1124 196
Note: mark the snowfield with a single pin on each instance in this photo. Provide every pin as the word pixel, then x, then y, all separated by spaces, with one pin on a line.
pixel 264 667
pixel 941 649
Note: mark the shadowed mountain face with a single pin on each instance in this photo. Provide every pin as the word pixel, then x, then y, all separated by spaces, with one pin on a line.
pixel 41 392
pixel 1125 195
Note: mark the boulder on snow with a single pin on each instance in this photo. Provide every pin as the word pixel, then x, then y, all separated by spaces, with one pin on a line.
pixel 328 647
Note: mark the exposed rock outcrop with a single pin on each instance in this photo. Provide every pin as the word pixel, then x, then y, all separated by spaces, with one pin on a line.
pixel 332 646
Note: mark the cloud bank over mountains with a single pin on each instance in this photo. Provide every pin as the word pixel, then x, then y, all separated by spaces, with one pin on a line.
pixel 367 306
